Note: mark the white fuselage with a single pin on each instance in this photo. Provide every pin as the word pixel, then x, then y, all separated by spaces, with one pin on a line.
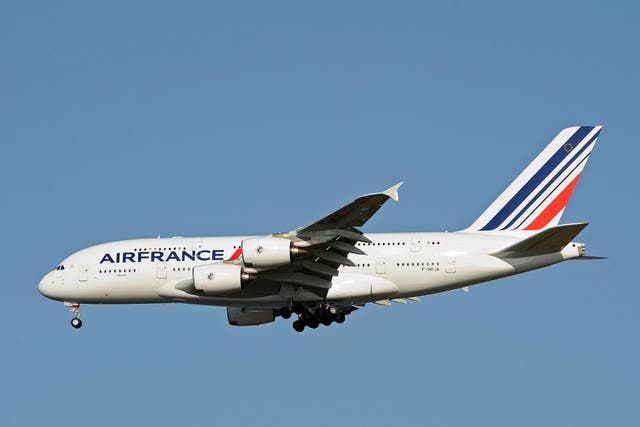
pixel 396 265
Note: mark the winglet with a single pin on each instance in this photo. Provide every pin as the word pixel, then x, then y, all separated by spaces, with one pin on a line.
pixel 393 191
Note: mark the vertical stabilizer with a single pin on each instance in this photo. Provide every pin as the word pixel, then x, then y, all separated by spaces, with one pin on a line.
pixel 537 198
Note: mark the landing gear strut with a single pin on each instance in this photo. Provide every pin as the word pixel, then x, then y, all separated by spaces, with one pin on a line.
pixel 75 309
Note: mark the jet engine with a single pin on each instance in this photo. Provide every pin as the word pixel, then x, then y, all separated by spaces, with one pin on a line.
pixel 217 278
pixel 267 252
pixel 242 316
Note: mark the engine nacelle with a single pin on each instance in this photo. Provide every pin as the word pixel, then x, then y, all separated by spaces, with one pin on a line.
pixel 267 252
pixel 218 278
pixel 242 316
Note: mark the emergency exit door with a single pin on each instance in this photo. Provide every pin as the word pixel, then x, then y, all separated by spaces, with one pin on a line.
pixel 381 265
pixel 83 273
pixel 161 272
pixel 451 264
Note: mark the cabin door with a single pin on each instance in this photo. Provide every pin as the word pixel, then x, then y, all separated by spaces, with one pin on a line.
pixel 161 272
pixel 83 273
pixel 451 264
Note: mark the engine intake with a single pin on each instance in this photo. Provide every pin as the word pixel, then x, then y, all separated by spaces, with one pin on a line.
pixel 267 252
pixel 217 279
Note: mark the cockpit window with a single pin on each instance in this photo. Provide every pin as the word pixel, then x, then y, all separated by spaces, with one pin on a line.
pixel 60 267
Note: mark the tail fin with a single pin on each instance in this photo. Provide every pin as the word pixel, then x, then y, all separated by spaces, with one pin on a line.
pixel 537 198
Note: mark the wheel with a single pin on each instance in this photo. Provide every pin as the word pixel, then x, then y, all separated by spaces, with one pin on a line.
pixel 298 325
pixel 285 312
pixel 327 321
pixel 313 323
pixel 297 308
pixel 340 318
pixel 76 322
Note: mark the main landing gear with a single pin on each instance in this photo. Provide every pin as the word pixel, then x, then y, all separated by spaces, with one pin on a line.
pixel 75 309
pixel 312 317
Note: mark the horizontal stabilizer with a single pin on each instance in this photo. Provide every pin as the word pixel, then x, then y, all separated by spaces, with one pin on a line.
pixel 548 241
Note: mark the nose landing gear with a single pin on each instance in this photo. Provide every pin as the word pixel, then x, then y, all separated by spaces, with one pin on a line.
pixel 75 309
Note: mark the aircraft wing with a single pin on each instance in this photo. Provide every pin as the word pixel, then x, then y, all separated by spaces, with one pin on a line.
pixel 325 245
pixel 354 214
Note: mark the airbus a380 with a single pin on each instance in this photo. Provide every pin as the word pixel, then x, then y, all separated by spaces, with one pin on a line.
pixel 324 271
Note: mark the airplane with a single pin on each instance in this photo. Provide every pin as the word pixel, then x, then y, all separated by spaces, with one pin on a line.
pixel 326 270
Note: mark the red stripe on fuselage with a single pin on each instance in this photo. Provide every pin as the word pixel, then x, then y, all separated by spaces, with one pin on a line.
pixel 554 207
pixel 236 254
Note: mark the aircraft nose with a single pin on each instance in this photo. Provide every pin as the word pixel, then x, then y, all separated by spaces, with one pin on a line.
pixel 45 285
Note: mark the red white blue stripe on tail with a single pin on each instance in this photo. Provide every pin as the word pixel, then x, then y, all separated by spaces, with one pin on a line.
pixel 537 198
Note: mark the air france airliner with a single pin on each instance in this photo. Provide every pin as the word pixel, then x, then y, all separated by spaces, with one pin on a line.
pixel 326 270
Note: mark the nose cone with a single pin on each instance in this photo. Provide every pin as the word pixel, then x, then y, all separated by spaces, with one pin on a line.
pixel 49 288
pixel 45 285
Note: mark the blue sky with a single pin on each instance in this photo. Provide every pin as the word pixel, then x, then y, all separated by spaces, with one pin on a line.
pixel 123 120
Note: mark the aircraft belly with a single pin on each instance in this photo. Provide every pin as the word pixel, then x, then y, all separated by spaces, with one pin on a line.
pixel 116 292
pixel 470 269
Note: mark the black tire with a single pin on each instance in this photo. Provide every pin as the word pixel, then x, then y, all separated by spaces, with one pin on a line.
pixel 76 323
pixel 285 312
pixel 298 325
pixel 297 308
pixel 340 318
pixel 327 321
pixel 313 323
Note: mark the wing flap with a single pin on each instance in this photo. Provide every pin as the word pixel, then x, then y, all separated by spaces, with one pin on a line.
pixel 318 268
pixel 333 257
pixel 343 246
